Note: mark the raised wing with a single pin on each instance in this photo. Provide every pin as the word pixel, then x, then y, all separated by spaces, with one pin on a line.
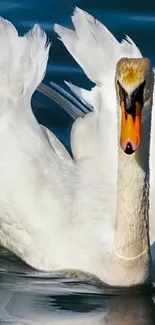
pixel 94 47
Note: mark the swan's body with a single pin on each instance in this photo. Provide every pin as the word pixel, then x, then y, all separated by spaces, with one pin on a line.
pixel 57 213
pixel 86 45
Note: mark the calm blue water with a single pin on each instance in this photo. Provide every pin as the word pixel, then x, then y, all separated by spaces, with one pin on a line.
pixel 31 297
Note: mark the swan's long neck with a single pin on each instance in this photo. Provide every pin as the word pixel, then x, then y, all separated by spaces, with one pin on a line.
pixel 131 237
pixel 131 249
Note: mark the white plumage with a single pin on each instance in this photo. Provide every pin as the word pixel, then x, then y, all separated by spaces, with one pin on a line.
pixel 56 212
pixel 97 52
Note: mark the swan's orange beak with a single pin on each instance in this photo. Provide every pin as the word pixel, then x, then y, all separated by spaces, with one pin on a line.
pixel 130 128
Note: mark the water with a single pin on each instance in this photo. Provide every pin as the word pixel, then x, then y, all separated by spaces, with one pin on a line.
pixel 31 297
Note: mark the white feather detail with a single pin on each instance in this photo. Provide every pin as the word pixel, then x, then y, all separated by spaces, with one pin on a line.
pixel 23 60
pixel 94 47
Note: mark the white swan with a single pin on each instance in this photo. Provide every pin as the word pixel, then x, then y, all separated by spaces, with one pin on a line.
pixel 97 51
pixel 57 213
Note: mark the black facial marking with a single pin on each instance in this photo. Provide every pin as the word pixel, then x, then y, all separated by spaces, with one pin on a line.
pixel 122 93
pixel 130 100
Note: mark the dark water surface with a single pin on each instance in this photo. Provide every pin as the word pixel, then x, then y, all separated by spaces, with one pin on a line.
pixel 31 297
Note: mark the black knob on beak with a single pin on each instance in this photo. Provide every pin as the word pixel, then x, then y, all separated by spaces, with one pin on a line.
pixel 129 150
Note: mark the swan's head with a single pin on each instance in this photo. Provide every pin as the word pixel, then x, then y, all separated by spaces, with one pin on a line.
pixel 134 88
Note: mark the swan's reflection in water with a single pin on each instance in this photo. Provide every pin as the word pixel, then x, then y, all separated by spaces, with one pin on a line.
pixel 28 297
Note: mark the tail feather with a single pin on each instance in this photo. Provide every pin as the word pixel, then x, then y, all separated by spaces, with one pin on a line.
pixel 23 60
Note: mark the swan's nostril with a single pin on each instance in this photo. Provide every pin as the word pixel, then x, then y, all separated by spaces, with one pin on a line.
pixel 129 150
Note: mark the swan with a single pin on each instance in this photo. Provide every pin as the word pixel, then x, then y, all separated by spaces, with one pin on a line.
pixel 58 213
pixel 97 52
